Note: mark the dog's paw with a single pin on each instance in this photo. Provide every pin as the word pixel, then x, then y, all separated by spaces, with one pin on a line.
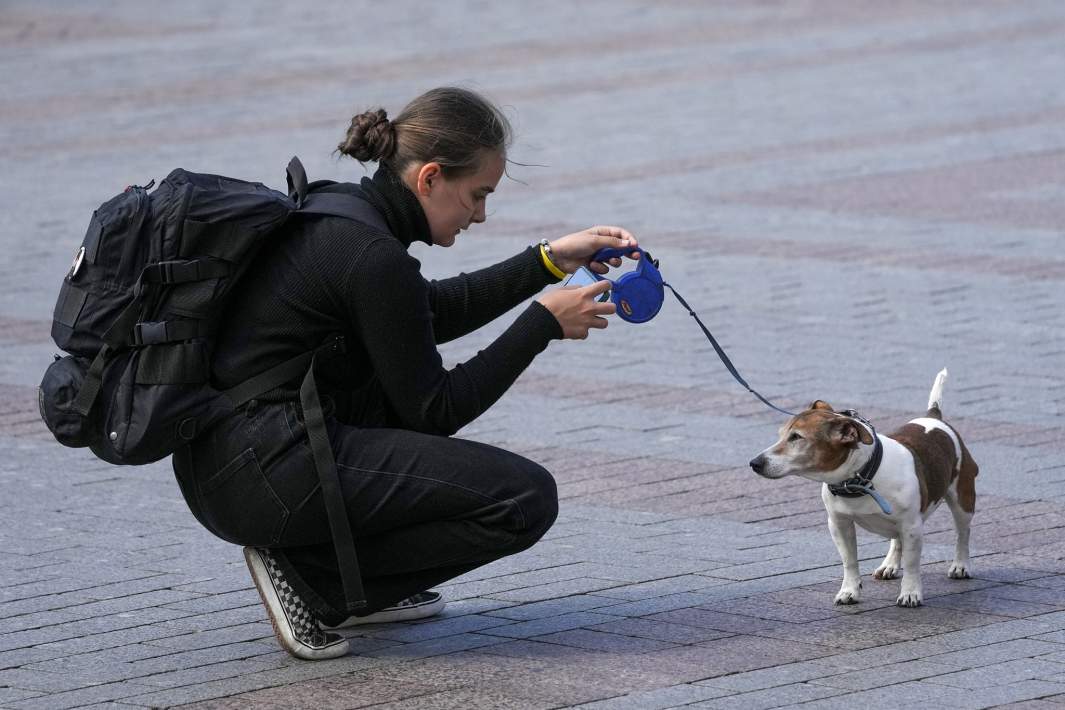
pixel 909 599
pixel 886 572
pixel 958 571
pixel 849 595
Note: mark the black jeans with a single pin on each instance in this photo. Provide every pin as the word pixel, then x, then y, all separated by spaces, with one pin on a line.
pixel 423 509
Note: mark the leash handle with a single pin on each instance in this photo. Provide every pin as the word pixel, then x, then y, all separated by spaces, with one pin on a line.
pixel 721 354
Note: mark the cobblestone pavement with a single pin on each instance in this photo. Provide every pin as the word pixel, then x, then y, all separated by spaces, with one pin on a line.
pixel 852 194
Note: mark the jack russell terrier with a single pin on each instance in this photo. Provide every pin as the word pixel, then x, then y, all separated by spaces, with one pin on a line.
pixel 916 468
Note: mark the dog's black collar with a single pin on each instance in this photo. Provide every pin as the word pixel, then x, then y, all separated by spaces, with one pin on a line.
pixel 862 483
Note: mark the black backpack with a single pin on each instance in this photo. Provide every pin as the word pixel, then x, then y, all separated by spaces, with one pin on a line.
pixel 139 308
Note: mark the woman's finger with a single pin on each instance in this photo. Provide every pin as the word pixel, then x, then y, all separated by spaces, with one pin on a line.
pixel 593 290
pixel 611 231
pixel 598 267
pixel 598 322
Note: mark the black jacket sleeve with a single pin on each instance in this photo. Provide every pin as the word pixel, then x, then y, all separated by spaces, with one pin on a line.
pixel 464 303
pixel 389 305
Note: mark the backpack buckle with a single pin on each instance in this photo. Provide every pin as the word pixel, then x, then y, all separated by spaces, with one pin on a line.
pixel 79 259
pixel 149 333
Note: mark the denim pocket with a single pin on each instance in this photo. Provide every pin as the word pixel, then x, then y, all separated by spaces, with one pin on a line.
pixel 240 505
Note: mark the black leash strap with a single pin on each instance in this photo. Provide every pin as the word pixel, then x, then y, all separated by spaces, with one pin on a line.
pixel 721 354
pixel 336 512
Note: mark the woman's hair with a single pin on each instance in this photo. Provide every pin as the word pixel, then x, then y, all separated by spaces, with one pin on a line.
pixel 448 125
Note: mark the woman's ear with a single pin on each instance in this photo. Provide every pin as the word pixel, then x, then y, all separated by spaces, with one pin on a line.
pixel 428 175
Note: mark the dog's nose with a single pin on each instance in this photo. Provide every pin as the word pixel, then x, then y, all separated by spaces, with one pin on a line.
pixel 758 463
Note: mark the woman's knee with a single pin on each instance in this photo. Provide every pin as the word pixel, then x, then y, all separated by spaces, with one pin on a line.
pixel 538 502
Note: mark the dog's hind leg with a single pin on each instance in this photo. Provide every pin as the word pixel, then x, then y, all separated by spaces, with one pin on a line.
pixel 889 568
pixel 959 569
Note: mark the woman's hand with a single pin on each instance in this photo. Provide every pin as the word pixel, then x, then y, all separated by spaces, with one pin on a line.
pixel 576 309
pixel 576 250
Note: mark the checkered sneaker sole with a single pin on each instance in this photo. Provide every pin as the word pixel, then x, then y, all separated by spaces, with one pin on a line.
pixel 416 606
pixel 296 626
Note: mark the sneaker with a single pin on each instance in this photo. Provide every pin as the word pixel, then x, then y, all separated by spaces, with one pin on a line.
pixel 296 627
pixel 417 606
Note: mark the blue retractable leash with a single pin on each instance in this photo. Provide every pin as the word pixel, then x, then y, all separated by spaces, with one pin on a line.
pixel 639 295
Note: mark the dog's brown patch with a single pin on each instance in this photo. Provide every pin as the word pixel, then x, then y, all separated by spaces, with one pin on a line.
pixel 967 479
pixel 935 460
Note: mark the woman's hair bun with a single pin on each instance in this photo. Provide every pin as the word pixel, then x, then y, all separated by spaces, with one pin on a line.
pixel 371 137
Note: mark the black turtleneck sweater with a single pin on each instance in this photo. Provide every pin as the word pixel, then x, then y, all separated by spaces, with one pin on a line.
pixel 330 275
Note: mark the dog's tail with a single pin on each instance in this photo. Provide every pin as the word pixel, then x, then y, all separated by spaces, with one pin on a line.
pixel 935 397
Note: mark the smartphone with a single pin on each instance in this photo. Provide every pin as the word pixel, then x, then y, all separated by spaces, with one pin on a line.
pixel 584 277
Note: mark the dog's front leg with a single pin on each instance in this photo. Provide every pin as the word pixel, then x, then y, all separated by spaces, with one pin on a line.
pixel 911 594
pixel 847 543
pixel 889 568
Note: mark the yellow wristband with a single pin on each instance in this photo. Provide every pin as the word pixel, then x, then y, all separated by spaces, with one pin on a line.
pixel 550 265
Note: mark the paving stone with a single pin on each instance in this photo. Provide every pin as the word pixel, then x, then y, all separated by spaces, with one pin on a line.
pixel 8 694
pixel 915 692
pixel 249 681
pixel 214 671
pixel 888 675
pixel 731 623
pixel 466 698
pixel 441 628
pixel 1053 637
pixel 669 602
pixel 433 647
pixel 603 641
pixel 1016 692
pixel 1001 674
pixel 991 604
pixel 762 609
pixel 772 697
pixel 29 678
pixel 660 587
pixel 779 675
pixel 673 696
pixel 82 696
pixel 660 630
pixel 216 637
pixel 552 607
pixel 738 654
pixel 343 691
pixel 830 195
pixel 984 656
pixel 555 590
pixel 538 627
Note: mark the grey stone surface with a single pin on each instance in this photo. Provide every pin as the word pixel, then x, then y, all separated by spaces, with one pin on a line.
pixel 673 696
pixel 852 196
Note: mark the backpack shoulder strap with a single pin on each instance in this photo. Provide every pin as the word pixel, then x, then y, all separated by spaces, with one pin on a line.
pixel 351 207
pixel 334 204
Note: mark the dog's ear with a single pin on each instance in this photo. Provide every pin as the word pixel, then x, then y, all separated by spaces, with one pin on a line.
pixel 849 431
pixel 820 404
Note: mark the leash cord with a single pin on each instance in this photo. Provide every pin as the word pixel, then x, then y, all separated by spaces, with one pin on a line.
pixel 855 486
pixel 721 353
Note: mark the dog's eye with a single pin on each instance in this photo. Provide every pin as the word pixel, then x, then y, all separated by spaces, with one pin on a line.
pixel 795 436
